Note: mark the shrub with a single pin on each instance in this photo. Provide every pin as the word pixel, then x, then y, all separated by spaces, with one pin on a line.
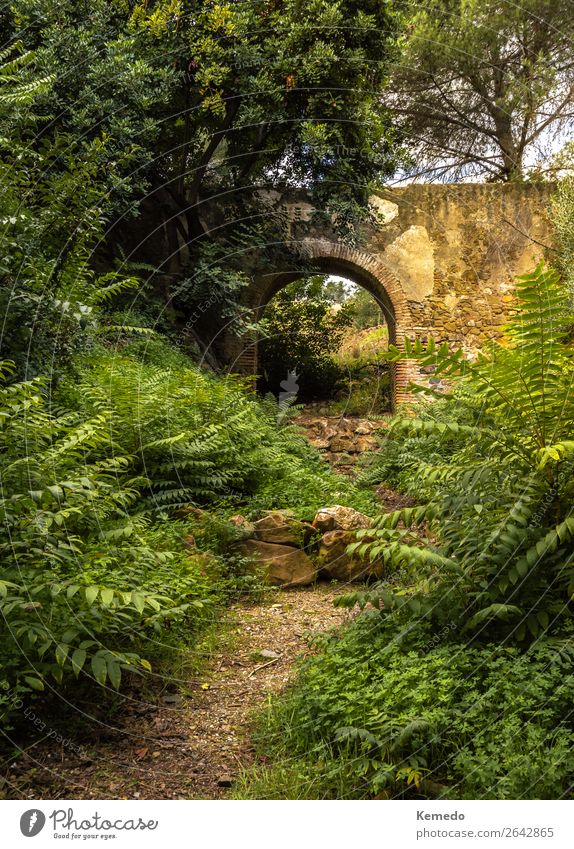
pixel 497 555
pixel 396 715
pixel 86 580
pixel 303 329
pixel 94 562
pixel 199 438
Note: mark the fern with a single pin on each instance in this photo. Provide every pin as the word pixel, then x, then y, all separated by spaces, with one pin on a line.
pixel 500 507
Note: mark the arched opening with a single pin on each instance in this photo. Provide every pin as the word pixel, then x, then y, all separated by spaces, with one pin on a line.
pixel 330 258
pixel 322 343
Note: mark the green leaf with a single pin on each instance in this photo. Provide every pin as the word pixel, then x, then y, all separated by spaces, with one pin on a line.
pixel 61 653
pixel 34 683
pixel 91 594
pixel 138 600
pixel 114 673
pixel 107 596
pixel 99 668
pixel 78 660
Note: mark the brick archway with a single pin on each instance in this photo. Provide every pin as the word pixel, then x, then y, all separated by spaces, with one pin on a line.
pixel 365 270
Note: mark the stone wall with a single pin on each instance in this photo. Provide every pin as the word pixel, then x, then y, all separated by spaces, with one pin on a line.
pixel 456 249
pixel 440 262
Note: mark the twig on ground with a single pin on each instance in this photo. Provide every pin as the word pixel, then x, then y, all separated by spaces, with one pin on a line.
pixel 263 665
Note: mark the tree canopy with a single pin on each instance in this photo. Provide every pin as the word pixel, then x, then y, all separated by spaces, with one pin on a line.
pixel 484 88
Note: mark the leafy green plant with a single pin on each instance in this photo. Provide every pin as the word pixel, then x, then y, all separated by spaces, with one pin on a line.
pixel 497 554
pixel 84 583
pixel 302 330
pixel 390 713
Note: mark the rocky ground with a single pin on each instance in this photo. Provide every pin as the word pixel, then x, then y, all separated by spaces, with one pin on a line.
pixel 342 440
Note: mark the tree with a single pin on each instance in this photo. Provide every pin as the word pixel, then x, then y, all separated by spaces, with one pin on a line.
pixel 484 87
pixel 194 98
pixel 366 311
pixel 176 102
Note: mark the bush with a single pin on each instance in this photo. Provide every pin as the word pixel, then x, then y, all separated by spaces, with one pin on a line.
pixel 456 681
pixel 94 562
pixel 303 329
pixel 199 438
pixel 397 715
pixel 492 546
pixel 86 578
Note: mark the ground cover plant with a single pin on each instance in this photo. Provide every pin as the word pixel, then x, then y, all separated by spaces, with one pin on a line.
pixel 453 682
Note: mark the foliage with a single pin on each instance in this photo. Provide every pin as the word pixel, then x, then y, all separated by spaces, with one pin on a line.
pixel 125 110
pixel 195 437
pixel 390 713
pixel 400 452
pixel 302 330
pixel 367 387
pixel 86 579
pixel 497 556
pixel 563 218
pixel 52 214
pixel 182 100
pixel 94 564
pixel 366 311
pixel 483 87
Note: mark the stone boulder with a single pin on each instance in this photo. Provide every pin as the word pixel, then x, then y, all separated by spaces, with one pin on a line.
pixel 343 443
pixel 279 528
pixel 335 564
pixel 339 518
pixel 284 566
pixel 244 526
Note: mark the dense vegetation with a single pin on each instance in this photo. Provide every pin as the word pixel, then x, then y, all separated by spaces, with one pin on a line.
pixel 454 681
pixel 126 449
pixel 95 565
pixel 108 426
pixel 324 339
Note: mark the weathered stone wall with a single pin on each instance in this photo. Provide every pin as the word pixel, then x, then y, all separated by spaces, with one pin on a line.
pixel 456 250
pixel 440 262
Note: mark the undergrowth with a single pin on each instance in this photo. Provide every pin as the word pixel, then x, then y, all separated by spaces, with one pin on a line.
pixel 102 565
pixel 455 681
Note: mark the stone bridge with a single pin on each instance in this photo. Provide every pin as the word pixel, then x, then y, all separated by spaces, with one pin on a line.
pixel 440 262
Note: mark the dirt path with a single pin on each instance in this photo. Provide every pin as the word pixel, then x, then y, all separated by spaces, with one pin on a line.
pixel 190 740
pixel 191 743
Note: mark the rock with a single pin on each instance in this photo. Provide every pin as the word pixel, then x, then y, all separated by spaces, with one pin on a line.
pixel 342 443
pixel 334 562
pixel 365 443
pixel 269 654
pixel 284 565
pixel 278 528
pixel 338 518
pixel 246 528
pixel 319 444
pixel 188 510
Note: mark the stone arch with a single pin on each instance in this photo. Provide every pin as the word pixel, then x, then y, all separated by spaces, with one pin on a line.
pixel 364 269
